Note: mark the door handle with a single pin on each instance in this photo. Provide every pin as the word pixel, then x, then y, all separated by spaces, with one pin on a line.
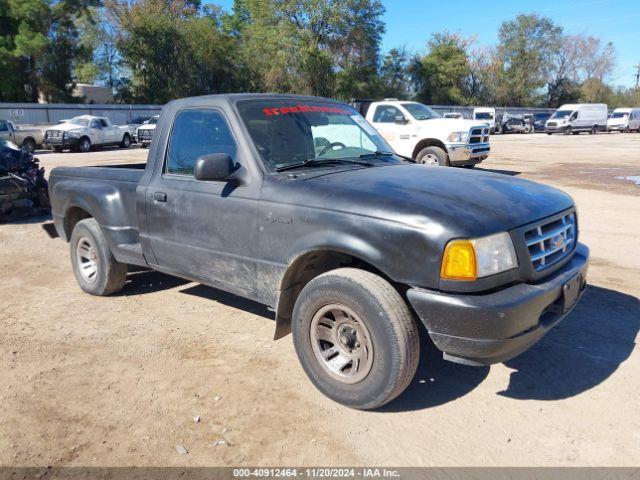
pixel 160 197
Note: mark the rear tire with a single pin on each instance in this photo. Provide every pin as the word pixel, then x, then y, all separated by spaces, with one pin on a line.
pixel 433 157
pixel 95 268
pixel 29 145
pixel 57 149
pixel 594 130
pixel 126 141
pixel 355 337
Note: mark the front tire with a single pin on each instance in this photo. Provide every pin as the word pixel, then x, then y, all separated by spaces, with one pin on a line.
pixel 433 157
pixel 95 268
pixel 84 145
pixel 355 337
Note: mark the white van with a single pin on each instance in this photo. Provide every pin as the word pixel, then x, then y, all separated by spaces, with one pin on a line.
pixel 624 120
pixel 487 115
pixel 579 117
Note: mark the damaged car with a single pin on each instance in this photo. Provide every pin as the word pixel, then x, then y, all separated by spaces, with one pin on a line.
pixel 23 186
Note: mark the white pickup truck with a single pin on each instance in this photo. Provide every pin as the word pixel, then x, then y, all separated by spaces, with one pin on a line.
pixel 84 132
pixel 415 130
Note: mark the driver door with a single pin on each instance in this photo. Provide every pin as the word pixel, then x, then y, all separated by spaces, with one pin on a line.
pixel 97 132
pixel 396 134
pixel 205 230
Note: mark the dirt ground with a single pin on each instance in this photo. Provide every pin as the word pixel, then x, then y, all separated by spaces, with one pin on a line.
pixel 121 381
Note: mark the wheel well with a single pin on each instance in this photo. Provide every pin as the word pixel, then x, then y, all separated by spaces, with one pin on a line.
pixel 428 142
pixel 304 269
pixel 73 216
pixel 126 134
pixel 29 138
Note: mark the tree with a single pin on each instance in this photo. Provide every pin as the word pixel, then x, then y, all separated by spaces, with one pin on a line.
pixel 396 75
pixel 445 70
pixel 39 47
pixel 316 47
pixel 175 48
pixel 526 46
pixel 100 59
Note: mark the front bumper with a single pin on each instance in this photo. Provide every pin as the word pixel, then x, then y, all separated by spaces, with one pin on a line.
pixel 66 142
pixel 617 128
pixel 495 327
pixel 468 154
pixel 556 129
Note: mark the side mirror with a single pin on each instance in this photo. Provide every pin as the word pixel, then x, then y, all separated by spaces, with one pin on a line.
pixel 401 120
pixel 214 167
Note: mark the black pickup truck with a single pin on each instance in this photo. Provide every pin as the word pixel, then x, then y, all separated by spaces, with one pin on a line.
pixel 296 202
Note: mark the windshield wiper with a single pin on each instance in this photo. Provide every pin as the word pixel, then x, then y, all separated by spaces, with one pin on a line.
pixel 377 153
pixel 321 161
pixel 386 154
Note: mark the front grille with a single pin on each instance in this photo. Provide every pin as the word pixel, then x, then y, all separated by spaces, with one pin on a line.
pixel 550 242
pixel 552 124
pixel 479 135
pixel 146 133
pixel 54 134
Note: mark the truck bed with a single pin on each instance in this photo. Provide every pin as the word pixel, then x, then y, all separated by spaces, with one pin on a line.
pixel 114 187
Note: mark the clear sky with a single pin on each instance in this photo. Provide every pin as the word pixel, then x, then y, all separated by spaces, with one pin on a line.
pixel 411 23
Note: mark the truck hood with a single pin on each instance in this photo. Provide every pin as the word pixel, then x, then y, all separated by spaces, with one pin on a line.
pixel 147 126
pixel 66 127
pixel 461 202
pixel 618 121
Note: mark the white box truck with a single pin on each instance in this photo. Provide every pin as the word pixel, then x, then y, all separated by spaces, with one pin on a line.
pixel 624 120
pixel 579 117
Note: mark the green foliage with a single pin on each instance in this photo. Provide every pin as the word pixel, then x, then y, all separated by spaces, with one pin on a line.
pixel 445 70
pixel 175 48
pixel 397 73
pixel 525 49
pixel 152 51
pixel 38 48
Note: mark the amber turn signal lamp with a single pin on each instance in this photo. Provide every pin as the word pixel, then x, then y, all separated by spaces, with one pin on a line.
pixel 459 261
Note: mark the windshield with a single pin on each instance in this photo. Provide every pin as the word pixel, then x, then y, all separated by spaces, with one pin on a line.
pixel 541 116
pixel 83 122
pixel 484 116
pixel 619 115
pixel 420 111
pixel 152 121
pixel 292 131
pixel 562 114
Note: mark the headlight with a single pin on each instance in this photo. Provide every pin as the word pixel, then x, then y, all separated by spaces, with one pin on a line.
pixel 73 134
pixel 476 258
pixel 458 137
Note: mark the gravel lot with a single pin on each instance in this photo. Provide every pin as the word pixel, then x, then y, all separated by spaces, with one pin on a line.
pixel 118 381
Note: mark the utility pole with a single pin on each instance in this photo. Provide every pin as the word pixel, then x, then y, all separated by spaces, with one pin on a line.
pixel 637 84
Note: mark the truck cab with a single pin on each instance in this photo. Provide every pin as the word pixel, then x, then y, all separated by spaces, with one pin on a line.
pixel 414 130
